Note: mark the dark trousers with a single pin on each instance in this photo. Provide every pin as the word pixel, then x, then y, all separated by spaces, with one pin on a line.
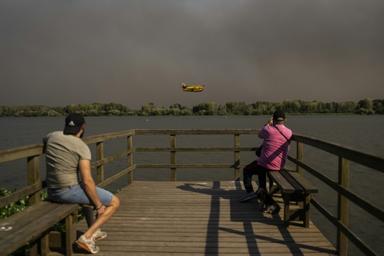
pixel 252 169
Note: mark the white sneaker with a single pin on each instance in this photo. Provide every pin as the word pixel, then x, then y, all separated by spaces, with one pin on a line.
pixel 87 244
pixel 98 235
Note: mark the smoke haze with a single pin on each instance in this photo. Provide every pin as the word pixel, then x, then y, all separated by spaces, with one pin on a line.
pixel 138 51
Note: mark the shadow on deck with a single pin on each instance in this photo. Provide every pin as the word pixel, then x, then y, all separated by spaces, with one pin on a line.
pixel 201 218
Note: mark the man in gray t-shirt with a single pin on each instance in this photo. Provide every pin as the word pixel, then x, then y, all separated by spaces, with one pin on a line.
pixel 63 154
pixel 69 178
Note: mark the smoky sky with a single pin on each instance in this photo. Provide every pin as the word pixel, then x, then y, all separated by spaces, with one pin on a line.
pixel 138 51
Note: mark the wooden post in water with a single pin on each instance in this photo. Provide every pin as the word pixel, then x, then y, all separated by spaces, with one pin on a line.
pixel 343 206
pixel 299 155
pixel 33 176
pixel 236 156
pixel 173 156
pixel 100 157
pixel 130 158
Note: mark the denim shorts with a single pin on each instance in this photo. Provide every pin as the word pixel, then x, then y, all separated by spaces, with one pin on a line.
pixel 76 195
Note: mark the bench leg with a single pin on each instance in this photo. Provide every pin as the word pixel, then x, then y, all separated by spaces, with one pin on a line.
pixel 306 205
pixel 69 234
pixel 270 182
pixel 44 245
pixel 286 210
pixel 34 250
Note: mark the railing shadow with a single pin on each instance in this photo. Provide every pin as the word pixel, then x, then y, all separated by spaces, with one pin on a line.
pixel 212 238
pixel 247 214
pixel 248 229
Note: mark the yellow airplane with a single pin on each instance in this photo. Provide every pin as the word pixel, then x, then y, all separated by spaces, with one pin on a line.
pixel 192 87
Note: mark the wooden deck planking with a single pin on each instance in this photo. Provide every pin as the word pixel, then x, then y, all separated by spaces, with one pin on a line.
pixel 201 218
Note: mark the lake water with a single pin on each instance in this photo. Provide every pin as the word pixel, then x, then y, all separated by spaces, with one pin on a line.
pixel 364 133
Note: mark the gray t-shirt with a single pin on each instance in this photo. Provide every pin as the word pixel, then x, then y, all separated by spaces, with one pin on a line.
pixel 63 153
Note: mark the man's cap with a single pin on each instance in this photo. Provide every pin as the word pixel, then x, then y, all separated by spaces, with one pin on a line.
pixel 278 115
pixel 73 123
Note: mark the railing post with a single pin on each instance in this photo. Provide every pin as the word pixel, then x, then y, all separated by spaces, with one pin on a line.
pixel 33 176
pixel 130 158
pixel 100 156
pixel 343 206
pixel 173 156
pixel 299 155
pixel 236 156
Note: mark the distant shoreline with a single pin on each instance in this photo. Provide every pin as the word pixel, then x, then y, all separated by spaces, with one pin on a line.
pixel 228 115
pixel 293 107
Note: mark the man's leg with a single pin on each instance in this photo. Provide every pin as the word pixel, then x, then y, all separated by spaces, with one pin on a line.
pixel 248 172
pixel 270 204
pixel 76 194
pixel 101 219
pixel 262 176
pixel 89 214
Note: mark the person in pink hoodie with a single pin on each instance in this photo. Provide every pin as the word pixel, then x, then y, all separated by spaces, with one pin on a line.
pixel 276 138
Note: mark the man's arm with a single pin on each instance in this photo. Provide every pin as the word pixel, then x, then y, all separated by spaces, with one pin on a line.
pixel 263 133
pixel 89 184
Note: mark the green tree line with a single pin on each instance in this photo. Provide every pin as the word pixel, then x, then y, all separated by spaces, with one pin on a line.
pixel 364 106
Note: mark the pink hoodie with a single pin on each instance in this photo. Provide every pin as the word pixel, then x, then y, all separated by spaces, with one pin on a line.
pixel 275 146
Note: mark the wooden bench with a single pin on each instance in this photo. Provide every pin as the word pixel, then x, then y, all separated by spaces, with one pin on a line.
pixel 33 225
pixel 293 188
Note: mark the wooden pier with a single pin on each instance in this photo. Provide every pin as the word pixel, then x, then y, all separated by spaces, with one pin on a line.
pixel 187 218
pixel 201 218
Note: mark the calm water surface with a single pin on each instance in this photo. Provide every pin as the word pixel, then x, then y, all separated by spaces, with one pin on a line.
pixel 361 132
pixel 364 133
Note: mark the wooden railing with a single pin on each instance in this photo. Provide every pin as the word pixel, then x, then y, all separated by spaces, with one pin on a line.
pixel 102 160
pixel 345 155
pixel 33 154
pixel 173 165
pixel 345 195
pixel 34 185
